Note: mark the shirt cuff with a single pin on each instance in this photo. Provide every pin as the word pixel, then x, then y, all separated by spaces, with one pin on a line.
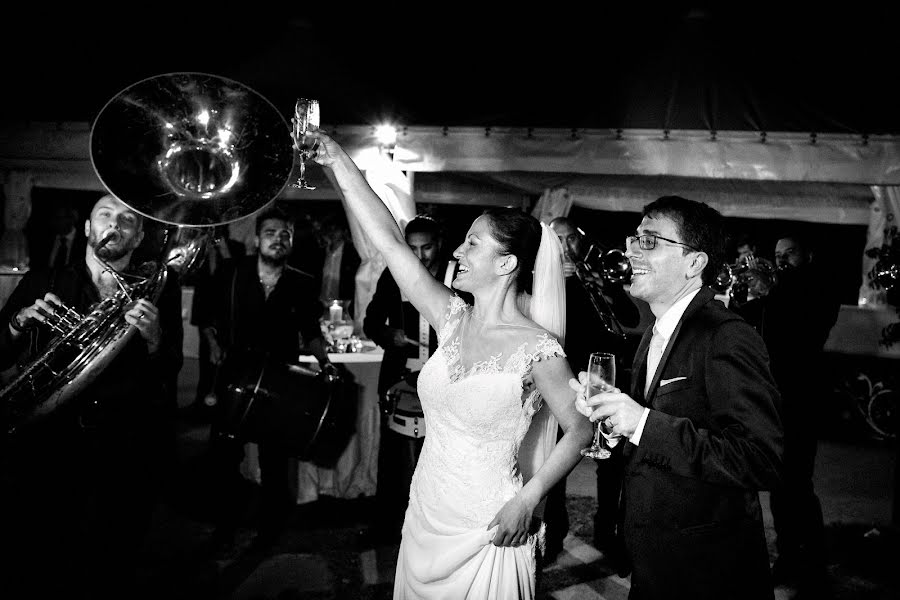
pixel 636 436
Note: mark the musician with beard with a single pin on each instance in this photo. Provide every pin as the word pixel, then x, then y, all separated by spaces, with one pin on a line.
pixel 265 310
pixel 81 484
pixel 587 333
pixel 795 320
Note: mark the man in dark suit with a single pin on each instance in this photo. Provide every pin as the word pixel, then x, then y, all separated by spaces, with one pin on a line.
pixel 701 426
pixel 82 483
pixel 337 260
pixel 795 319
pixel 59 245
pixel 393 323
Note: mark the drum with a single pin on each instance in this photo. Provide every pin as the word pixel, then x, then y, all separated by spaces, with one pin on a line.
pixel 404 411
pixel 271 402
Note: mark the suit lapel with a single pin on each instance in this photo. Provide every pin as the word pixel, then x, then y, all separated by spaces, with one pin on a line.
pixel 703 296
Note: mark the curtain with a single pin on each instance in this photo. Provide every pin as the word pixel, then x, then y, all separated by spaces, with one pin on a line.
pixel 17 209
pixel 884 212
pixel 13 244
pixel 552 203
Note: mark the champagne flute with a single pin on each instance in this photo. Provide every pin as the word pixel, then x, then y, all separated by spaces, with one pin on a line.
pixel 601 375
pixel 306 114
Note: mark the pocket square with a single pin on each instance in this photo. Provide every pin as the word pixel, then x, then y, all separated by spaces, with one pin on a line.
pixel 663 382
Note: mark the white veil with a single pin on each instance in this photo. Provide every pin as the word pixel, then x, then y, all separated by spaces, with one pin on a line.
pixel 547 309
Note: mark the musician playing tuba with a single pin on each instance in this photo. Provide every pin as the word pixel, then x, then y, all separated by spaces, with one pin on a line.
pixel 589 331
pixel 83 482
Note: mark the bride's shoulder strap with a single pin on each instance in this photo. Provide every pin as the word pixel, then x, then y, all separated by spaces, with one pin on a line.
pixel 547 346
pixel 537 346
pixel 456 307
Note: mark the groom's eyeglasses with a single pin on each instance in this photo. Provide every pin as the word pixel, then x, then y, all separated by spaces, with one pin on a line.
pixel 647 241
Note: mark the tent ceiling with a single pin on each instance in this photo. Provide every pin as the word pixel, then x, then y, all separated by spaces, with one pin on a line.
pixel 814 202
pixel 57 157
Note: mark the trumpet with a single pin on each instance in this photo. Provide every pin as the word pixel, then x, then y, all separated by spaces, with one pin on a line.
pixel 733 279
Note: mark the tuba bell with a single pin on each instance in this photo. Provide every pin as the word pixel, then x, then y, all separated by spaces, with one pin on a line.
pixel 613 267
pixel 188 150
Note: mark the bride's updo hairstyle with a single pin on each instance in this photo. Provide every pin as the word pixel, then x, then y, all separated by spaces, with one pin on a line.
pixel 519 234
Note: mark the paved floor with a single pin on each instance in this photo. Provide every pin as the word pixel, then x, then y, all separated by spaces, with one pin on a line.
pixel 321 555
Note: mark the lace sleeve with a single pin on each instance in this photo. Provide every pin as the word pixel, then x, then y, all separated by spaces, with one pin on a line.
pixel 454 312
pixel 547 347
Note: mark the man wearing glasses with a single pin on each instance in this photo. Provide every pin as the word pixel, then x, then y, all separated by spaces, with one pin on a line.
pixel 701 427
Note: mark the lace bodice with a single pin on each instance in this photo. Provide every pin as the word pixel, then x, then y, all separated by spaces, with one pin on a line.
pixel 477 418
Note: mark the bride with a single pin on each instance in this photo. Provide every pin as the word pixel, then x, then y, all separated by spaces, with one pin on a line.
pixel 466 531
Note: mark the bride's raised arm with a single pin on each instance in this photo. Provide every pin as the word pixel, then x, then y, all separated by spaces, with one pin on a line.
pixel 428 295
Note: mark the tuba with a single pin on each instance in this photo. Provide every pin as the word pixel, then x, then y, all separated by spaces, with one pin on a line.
pixel 613 267
pixel 188 150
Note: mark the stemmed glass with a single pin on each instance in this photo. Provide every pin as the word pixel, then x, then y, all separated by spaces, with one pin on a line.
pixel 601 376
pixel 306 114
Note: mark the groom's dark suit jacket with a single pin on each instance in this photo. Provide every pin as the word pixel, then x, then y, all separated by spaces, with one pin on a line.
pixel 692 521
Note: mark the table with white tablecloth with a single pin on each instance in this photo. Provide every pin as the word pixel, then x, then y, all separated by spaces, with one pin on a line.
pixel 356 471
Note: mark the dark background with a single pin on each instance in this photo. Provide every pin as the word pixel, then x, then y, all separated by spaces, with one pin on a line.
pixel 679 65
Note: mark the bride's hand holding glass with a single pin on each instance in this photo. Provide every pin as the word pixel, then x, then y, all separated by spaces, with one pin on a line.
pixel 325 151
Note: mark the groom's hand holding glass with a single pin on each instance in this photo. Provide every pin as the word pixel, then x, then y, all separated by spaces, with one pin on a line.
pixel 617 412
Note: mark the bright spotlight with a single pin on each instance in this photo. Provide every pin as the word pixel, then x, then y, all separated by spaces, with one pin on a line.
pixel 386 135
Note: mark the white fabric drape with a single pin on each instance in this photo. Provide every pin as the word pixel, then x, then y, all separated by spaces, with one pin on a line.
pixel 395 189
pixel 552 203
pixel 884 214
pixel 17 210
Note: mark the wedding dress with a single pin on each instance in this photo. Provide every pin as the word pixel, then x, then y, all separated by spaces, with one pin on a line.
pixel 467 471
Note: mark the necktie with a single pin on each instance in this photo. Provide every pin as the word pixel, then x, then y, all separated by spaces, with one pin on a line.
pixel 62 251
pixel 657 344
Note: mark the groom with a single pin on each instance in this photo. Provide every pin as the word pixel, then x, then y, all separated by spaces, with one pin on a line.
pixel 701 423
